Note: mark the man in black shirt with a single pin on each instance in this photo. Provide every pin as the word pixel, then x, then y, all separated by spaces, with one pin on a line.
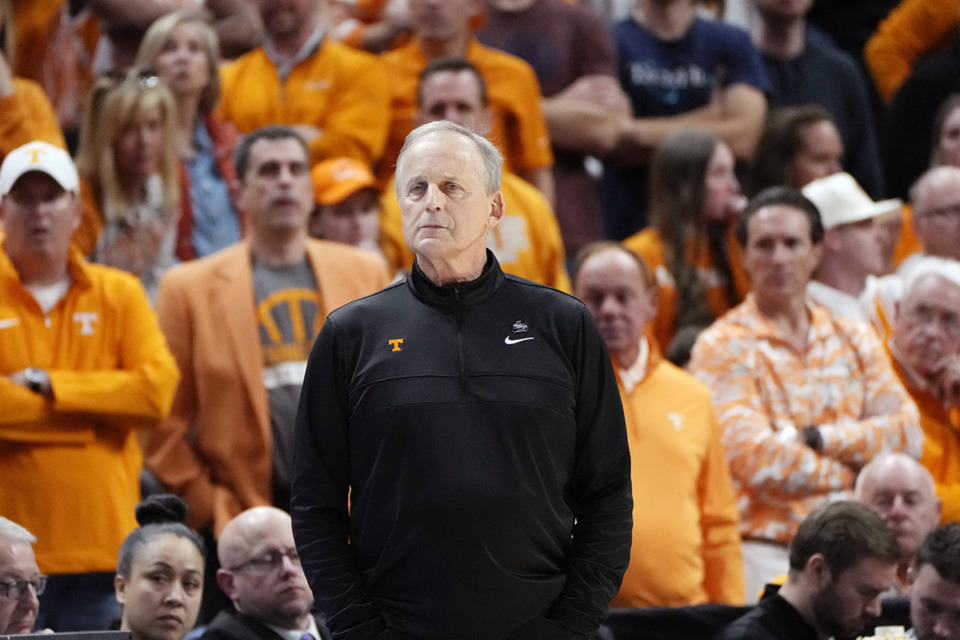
pixel 473 421
pixel 841 560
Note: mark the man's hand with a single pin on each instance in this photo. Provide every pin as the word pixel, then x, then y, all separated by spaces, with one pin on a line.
pixel 601 90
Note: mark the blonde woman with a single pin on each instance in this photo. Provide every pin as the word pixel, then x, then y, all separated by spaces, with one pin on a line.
pixel 184 51
pixel 129 177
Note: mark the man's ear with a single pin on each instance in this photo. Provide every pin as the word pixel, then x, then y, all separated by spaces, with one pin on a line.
pixel 225 580
pixel 497 208
pixel 120 588
pixel 818 570
pixel 831 239
pixel 911 576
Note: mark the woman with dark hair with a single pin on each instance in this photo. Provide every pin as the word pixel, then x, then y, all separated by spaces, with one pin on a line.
pixel 689 247
pixel 159 581
pixel 798 145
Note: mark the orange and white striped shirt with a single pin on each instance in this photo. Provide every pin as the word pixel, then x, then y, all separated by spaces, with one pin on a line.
pixel 764 393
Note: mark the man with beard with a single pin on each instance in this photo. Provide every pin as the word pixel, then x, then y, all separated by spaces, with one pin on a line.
pixel 262 576
pixel 841 560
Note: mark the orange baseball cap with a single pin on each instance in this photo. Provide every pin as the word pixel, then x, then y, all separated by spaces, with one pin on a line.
pixel 336 179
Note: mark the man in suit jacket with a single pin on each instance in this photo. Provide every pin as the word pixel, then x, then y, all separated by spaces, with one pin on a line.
pixel 261 574
pixel 241 323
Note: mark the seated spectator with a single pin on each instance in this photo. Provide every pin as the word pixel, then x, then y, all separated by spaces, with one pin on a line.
pixel 27 112
pixel 681 71
pixel 444 28
pixel 159 579
pixel 20 579
pixel 855 242
pixel 336 97
pixel 901 491
pixel 683 500
pixel 83 365
pixel 690 246
pixel 798 145
pixel 804 399
pixel 935 585
pixel 130 189
pixel 842 559
pixel 347 204
pixel 185 54
pixel 527 241
pixel 261 574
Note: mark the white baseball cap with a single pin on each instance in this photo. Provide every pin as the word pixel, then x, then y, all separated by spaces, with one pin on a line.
pixel 38 156
pixel 842 201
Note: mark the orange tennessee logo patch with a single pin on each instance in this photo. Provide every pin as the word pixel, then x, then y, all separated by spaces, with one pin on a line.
pixel 395 343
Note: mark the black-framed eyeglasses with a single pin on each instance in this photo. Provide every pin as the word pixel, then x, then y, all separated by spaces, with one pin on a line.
pixel 16 589
pixel 269 561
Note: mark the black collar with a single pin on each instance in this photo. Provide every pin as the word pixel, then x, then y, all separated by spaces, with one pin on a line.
pixel 467 294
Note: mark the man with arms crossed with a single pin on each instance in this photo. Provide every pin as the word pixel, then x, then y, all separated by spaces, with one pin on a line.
pixel 462 468
pixel 804 398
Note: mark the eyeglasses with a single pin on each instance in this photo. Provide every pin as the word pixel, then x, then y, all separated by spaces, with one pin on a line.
pixel 269 561
pixel 18 588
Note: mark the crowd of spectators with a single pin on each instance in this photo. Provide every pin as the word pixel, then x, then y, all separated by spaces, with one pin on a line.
pixel 236 159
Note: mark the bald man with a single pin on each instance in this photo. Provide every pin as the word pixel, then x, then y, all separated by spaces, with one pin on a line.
pixel 261 574
pixel 901 491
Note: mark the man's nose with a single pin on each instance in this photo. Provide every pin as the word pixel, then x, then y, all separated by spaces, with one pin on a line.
pixel 433 199
pixel 873 608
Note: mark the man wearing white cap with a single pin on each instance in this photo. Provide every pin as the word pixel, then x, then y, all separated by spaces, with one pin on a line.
pixel 82 364
pixel 853 242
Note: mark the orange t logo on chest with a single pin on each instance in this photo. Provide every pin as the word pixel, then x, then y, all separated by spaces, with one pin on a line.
pixel 396 342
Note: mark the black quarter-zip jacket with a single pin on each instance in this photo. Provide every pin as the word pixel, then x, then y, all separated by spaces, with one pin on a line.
pixel 479 432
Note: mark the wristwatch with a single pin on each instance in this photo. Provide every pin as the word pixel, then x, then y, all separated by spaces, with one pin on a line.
pixel 37 379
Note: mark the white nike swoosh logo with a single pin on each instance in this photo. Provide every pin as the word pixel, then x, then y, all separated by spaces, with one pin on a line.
pixel 12 322
pixel 507 340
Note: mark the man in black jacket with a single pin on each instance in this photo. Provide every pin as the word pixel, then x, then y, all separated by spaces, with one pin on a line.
pixel 261 574
pixel 473 420
pixel 842 560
